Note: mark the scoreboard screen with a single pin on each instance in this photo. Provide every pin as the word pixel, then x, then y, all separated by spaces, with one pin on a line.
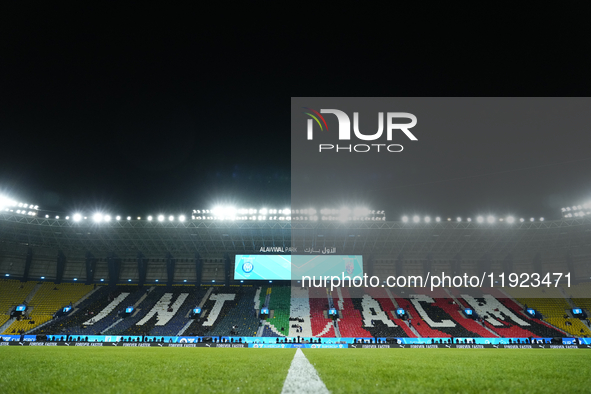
pixel 295 267
pixel 262 267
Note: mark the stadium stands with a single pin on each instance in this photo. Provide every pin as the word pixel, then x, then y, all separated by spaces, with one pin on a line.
pixel 180 319
pixel 135 324
pixel 13 293
pixel 350 320
pixel 550 302
pixel 230 311
pixel 47 300
pixel 3 319
pixel 280 308
pixel 128 295
pixel 581 295
pixel 321 326
pixel 226 307
pixel 240 319
pixel 86 311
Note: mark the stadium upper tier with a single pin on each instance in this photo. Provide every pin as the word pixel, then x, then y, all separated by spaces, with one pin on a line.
pixel 381 239
pixel 60 248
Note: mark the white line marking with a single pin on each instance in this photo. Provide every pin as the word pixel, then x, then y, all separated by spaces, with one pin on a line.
pixel 302 378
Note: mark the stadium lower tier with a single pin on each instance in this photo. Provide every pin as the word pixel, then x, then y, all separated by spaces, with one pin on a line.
pixel 235 311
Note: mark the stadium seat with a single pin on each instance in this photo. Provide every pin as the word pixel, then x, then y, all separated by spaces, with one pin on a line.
pixel 48 299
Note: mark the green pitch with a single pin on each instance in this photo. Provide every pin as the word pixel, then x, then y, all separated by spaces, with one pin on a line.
pixel 454 370
pixel 164 370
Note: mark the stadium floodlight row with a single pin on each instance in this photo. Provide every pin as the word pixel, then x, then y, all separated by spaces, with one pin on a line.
pixel 480 219
pixel 343 214
pixel 577 210
pixel 10 205
pixel 231 213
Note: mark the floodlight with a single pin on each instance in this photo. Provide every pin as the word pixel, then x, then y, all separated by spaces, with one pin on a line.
pixel 129 218
pixel 149 218
pixel 263 211
pixel 118 217
pixel 542 219
pixel 490 219
pixel 98 217
pixel 160 218
pixel 531 219
pixel 77 217
pixel 522 220
pixel 171 218
pixel 75 278
pixel 405 219
pixel 67 218
pixel 427 219
pixel 416 219
pixel 459 219
pixel 469 219
pixel 182 218
pixel 437 219
pixel 229 212
pixel 480 219
pixel 57 217
pixel 286 211
pixel 46 216
pixel 107 218
pixel 510 219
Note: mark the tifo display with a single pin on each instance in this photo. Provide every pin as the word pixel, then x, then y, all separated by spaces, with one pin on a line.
pixel 280 311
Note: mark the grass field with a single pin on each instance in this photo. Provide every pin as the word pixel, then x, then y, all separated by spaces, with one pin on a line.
pixel 156 370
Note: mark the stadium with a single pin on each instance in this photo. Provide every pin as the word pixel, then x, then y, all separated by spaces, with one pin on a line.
pixel 163 229
pixel 96 279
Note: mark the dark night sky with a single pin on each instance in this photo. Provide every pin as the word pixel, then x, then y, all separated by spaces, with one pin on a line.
pixel 166 116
